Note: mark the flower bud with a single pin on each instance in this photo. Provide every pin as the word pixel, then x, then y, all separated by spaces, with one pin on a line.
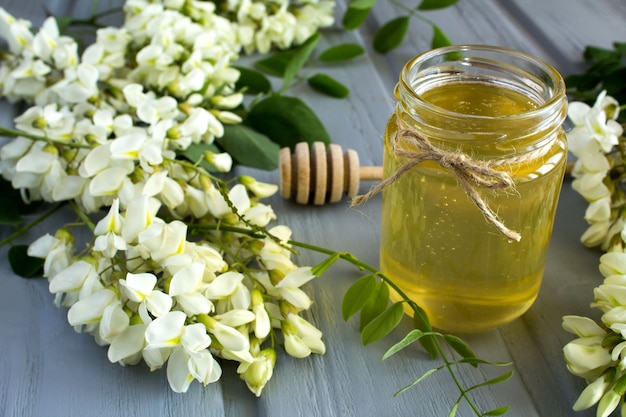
pixel 276 276
pixel 286 308
pixel 259 372
pixel 223 162
pixel 592 393
pixel 64 236
pixel 293 343
pixel 608 403
pixel 259 189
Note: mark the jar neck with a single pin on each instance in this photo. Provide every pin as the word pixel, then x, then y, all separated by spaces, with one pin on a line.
pixel 501 71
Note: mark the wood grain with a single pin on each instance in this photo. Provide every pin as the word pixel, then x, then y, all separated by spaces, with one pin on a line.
pixel 46 369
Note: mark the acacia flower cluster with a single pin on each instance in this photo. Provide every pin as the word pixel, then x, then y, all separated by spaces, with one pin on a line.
pixel 598 354
pixel 181 269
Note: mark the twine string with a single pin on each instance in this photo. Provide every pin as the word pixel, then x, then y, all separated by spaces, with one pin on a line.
pixel 470 173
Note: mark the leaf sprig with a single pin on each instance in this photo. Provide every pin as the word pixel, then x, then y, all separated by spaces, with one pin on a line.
pixel 392 33
pixel 369 296
pixel 606 70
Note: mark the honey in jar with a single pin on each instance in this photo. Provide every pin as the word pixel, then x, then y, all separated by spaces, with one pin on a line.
pixel 493 107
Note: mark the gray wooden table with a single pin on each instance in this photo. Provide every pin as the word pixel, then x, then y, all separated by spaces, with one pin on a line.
pixel 46 369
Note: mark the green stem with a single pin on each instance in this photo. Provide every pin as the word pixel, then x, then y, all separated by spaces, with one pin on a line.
pixel 32 224
pixel 346 256
pixel 83 216
pixel 363 266
pixel 411 12
pixel 14 133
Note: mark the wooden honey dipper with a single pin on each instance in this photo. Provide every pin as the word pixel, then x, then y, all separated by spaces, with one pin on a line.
pixel 319 176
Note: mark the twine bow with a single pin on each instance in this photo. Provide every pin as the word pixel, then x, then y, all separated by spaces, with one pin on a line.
pixel 470 173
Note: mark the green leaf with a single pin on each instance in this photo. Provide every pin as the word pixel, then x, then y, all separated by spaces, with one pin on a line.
pixel 287 121
pixel 252 82
pixel 454 408
pixel 382 325
pixel 497 411
pixel 248 147
pixel 418 380
pixel 435 4
pixel 361 4
pixel 320 268
pixel 420 322
pixel 343 52
pixel 391 34
pixel 440 39
pixel 327 85
pixel 461 347
pixel 23 265
pixel 357 296
pixel 275 64
pixel 195 154
pixel 484 362
pixel 377 304
pixel 301 55
pixel 597 54
pixel 493 381
pixel 10 214
pixel 63 22
pixel 354 18
pixel 413 336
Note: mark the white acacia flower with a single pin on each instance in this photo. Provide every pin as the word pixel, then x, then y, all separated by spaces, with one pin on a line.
pixel 613 263
pixel 140 213
pixel 223 162
pixel 213 260
pixel 167 189
pixel 108 232
pixel 160 240
pixel 57 251
pixel 126 347
pixel 45 41
pixel 165 331
pixel 114 321
pixel 258 188
pixel 301 339
pixel 582 326
pixel 262 322
pixel 16 32
pixel 587 358
pixel 140 288
pixel 259 371
pixel 595 234
pixel 260 214
pixel 229 337
pixel 289 287
pixel 79 84
pixel 599 210
pixel 185 288
pixel 72 278
pixel 89 310
pixel 608 403
pixel 594 121
pixel 183 367
pixel 592 393
pixel 138 146
pixel 237 195
pixel 224 285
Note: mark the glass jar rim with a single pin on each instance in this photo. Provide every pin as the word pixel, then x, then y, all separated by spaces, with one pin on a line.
pixel 557 88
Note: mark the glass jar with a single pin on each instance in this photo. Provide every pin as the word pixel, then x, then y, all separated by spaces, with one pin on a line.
pixel 471 252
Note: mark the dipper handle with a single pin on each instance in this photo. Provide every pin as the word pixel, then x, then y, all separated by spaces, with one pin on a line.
pixel 318 176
